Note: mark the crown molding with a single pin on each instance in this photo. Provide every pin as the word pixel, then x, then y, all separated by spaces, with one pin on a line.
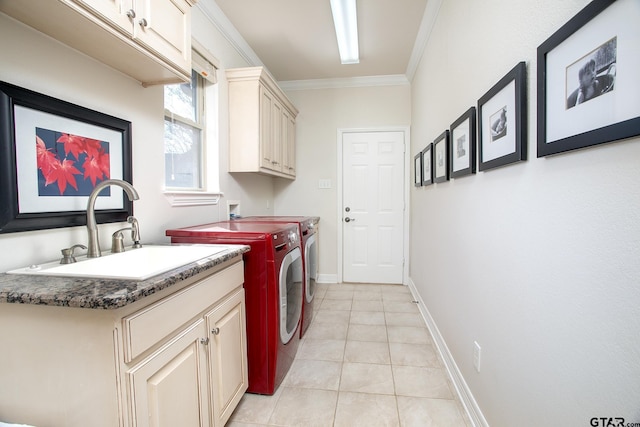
pixel 219 20
pixel 424 32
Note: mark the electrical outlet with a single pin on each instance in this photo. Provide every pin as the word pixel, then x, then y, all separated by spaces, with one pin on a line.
pixel 476 355
pixel 324 183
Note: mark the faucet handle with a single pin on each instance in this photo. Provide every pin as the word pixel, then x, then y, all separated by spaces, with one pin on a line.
pixel 67 254
pixel 117 241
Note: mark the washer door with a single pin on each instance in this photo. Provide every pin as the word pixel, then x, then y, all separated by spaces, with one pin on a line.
pixel 311 262
pixel 290 294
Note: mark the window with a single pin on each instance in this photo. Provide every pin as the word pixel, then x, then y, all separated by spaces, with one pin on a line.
pixel 184 134
pixel 191 134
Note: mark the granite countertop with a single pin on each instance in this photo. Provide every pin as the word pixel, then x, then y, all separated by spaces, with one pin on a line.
pixel 100 293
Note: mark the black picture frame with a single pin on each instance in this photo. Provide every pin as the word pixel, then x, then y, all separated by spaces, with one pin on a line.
pixel 96 147
pixel 583 98
pixel 462 145
pixel 502 121
pixel 427 165
pixel 417 170
pixel 441 157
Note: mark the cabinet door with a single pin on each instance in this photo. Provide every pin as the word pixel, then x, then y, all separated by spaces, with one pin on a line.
pixel 169 387
pixel 277 134
pixel 164 27
pixel 228 355
pixel 266 133
pixel 288 144
pixel 112 11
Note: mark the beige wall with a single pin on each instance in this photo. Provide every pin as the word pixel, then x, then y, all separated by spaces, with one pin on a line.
pixel 34 61
pixel 537 261
pixel 322 113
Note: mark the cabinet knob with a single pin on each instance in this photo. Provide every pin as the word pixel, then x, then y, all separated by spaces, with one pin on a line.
pixel 143 22
pixel 131 13
pixel 215 331
pixel 204 341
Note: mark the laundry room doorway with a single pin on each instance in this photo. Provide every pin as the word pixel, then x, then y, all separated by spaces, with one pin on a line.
pixel 372 212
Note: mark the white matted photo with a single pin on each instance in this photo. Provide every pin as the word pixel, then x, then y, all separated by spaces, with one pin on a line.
pixel 588 82
pixel 502 121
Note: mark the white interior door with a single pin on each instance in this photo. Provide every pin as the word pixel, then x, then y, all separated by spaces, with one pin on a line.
pixel 373 206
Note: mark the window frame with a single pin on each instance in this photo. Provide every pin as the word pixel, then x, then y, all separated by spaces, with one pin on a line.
pixel 209 193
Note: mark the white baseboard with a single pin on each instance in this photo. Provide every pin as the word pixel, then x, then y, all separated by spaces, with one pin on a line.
pixel 466 397
pixel 327 278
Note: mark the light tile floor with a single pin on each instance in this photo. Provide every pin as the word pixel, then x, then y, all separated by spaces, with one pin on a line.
pixel 366 360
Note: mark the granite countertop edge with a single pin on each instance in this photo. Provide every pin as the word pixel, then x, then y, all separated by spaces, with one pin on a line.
pixel 100 293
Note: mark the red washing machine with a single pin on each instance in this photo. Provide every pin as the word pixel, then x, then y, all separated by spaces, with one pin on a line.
pixel 308 228
pixel 273 284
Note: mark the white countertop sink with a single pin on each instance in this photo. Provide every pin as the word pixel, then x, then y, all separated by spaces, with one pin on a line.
pixel 133 264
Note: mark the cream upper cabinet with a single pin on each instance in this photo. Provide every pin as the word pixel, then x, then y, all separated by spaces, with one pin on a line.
pixel 149 40
pixel 261 124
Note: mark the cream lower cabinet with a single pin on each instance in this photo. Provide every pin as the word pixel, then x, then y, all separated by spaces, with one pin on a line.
pixel 261 124
pixel 149 40
pixel 198 376
pixel 174 358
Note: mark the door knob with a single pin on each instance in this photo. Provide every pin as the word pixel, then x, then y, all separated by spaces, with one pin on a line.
pixel 347 219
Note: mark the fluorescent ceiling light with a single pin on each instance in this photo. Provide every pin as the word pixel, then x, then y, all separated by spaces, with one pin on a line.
pixel 346 23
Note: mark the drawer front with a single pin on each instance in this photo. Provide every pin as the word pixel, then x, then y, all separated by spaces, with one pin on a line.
pixel 151 325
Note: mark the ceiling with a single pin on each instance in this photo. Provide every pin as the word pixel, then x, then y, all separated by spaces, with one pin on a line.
pixel 295 39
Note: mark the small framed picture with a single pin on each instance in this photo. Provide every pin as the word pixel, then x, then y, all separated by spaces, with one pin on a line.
pixel 427 165
pixel 588 82
pixel 463 145
pixel 441 157
pixel 417 170
pixel 502 121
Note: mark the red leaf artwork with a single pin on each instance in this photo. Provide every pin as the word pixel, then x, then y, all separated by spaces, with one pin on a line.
pixel 90 152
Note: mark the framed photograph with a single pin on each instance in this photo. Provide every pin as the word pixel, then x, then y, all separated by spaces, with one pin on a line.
pixel 463 145
pixel 588 82
pixel 441 157
pixel 52 155
pixel 417 170
pixel 427 165
pixel 502 121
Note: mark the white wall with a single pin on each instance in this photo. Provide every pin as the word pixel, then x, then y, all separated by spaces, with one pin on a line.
pixel 537 261
pixel 34 61
pixel 322 113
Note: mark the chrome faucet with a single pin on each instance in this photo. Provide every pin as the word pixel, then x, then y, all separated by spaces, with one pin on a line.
pixel 92 228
